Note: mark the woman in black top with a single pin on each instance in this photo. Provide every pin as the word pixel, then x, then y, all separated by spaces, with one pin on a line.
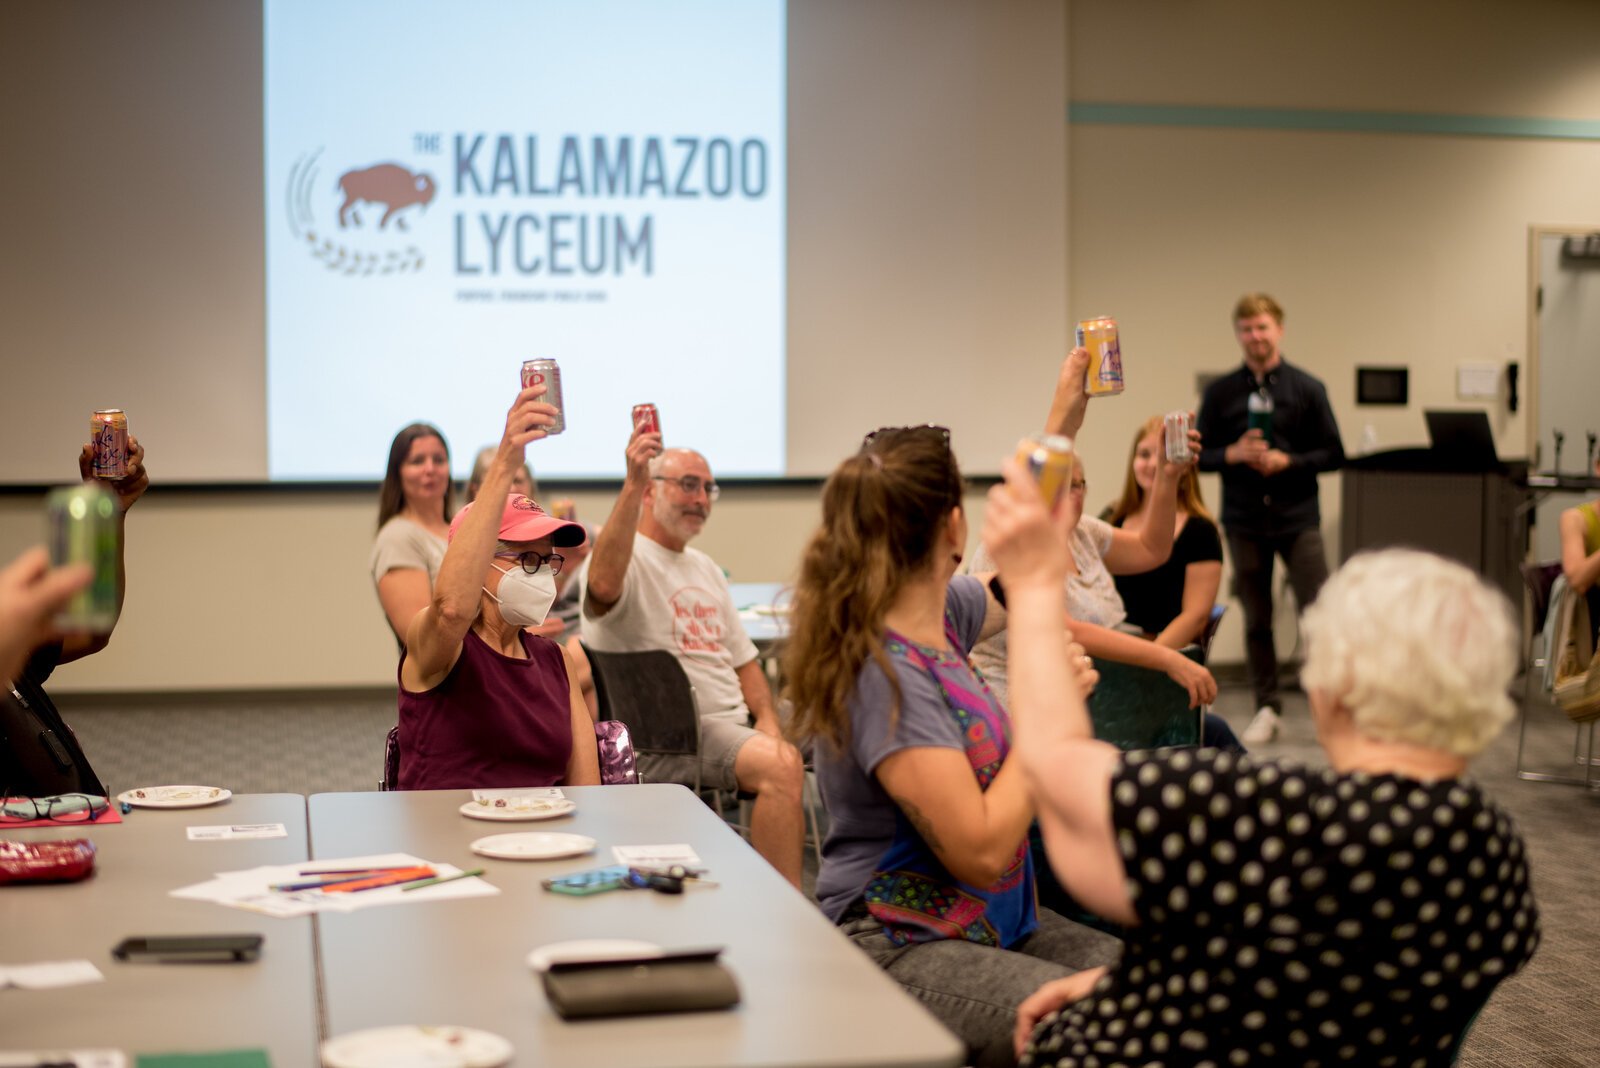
pixel 1173 602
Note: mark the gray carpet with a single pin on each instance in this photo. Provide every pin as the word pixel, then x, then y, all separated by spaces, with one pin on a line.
pixel 1548 1015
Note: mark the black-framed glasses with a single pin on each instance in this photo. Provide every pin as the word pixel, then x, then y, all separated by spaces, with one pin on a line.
pixel 691 485
pixel 885 435
pixel 532 560
pixel 62 808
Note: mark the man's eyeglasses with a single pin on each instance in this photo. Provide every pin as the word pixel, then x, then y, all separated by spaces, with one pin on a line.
pixel 885 435
pixel 533 560
pixel 63 808
pixel 1078 487
pixel 691 485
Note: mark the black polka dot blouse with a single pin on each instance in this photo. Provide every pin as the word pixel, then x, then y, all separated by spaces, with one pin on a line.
pixel 1295 917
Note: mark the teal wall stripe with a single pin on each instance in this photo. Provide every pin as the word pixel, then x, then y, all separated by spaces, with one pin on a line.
pixel 1349 121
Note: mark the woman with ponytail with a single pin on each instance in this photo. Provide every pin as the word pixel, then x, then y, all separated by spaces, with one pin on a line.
pixel 926 866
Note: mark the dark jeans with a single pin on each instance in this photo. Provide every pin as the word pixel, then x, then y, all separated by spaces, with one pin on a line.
pixel 1303 554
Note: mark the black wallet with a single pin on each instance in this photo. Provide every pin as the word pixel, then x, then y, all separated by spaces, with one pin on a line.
pixel 676 981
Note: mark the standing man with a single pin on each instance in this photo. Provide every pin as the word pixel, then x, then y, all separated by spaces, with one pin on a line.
pixel 644 588
pixel 1269 484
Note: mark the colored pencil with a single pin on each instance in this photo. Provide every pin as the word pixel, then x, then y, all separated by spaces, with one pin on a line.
pixel 445 879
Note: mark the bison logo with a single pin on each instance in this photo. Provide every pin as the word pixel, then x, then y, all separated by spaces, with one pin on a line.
pixel 352 248
pixel 388 184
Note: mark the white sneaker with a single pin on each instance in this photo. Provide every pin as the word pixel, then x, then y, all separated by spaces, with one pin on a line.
pixel 1262 729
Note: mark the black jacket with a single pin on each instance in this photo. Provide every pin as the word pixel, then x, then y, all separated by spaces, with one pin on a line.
pixel 1302 426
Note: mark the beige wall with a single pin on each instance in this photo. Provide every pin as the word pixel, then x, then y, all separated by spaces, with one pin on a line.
pixel 1383 248
pixel 272 592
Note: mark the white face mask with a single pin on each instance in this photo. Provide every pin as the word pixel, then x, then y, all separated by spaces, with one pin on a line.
pixel 524 599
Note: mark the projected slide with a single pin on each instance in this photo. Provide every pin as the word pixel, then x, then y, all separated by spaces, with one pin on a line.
pixel 454 188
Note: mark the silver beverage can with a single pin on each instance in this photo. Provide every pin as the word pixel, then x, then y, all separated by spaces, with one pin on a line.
pixel 1177 434
pixel 83 527
pixel 545 370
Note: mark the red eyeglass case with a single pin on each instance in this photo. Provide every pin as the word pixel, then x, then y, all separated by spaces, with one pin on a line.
pixel 64 861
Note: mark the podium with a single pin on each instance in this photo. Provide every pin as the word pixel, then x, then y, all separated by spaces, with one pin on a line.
pixel 1421 499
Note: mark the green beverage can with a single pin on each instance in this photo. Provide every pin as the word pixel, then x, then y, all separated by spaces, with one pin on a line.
pixel 82 527
pixel 1258 413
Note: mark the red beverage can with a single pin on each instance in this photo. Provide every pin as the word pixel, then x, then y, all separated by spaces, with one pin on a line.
pixel 108 430
pixel 545 371
pixel 646 419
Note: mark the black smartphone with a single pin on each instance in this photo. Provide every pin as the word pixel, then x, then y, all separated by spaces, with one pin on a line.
pixel 183 949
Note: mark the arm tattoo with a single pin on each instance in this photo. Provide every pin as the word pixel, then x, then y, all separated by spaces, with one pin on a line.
pixel 923 825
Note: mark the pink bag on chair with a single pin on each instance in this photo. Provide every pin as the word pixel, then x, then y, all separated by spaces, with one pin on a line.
pixel 616 753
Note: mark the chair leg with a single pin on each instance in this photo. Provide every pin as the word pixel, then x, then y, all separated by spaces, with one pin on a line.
pixel 1588 761
pixel 809 791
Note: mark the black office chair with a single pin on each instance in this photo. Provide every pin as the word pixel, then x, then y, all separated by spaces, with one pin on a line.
pixel 649 692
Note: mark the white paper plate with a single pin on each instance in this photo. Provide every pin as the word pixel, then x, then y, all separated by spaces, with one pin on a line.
pixel 533 845
pixel 417 1047
pixel 518 809
pixel 590 949
pixel 174 796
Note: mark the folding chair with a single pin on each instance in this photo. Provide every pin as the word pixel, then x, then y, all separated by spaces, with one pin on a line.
pixel 1538 578
pixel 1210 633
pixel 1138 708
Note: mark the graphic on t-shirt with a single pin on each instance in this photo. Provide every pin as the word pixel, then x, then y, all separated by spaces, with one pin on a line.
pixel 696 620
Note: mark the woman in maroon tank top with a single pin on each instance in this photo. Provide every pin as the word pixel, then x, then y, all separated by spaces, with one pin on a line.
pixel 484 703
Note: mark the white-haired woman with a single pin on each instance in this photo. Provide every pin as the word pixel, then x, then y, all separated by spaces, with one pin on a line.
pixel 1275 914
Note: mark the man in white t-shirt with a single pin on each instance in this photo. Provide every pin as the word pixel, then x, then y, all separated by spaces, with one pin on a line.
pixel 644 588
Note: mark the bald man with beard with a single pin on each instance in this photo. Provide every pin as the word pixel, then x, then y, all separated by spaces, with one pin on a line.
pixel 644 587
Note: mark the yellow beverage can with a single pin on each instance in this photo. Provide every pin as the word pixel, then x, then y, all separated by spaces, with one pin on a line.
pixel 1049 460
pixel 1099 336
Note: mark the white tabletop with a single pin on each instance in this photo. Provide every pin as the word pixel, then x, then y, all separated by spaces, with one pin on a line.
pixel 162 1008
pixel 809 996
pixel 761 608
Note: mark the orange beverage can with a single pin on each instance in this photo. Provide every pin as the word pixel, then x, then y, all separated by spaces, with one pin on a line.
pixel 1049 460
pixel 1099 336
pixel 108 430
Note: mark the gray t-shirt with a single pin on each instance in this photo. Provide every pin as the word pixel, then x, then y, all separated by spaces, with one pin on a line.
pixel 1092 597
pixel 402 544
pixel 861 814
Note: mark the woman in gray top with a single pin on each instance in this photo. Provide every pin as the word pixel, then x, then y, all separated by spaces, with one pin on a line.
pixel 415 505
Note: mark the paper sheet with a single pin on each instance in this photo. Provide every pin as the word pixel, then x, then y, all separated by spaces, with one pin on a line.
pixel 49 974
pixel 224 832
pixel 252 891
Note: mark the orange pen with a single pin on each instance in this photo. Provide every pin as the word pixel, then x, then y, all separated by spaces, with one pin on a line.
pixel 403 875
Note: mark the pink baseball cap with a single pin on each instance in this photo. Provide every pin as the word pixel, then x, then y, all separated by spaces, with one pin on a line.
pixel 524 520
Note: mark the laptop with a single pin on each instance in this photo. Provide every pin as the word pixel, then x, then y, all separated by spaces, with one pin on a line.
pixel 1462 439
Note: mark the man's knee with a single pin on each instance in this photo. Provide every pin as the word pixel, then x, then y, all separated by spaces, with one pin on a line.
pixel 773 766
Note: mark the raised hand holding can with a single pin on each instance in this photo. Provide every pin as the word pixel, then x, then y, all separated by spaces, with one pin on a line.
pixel 545 371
